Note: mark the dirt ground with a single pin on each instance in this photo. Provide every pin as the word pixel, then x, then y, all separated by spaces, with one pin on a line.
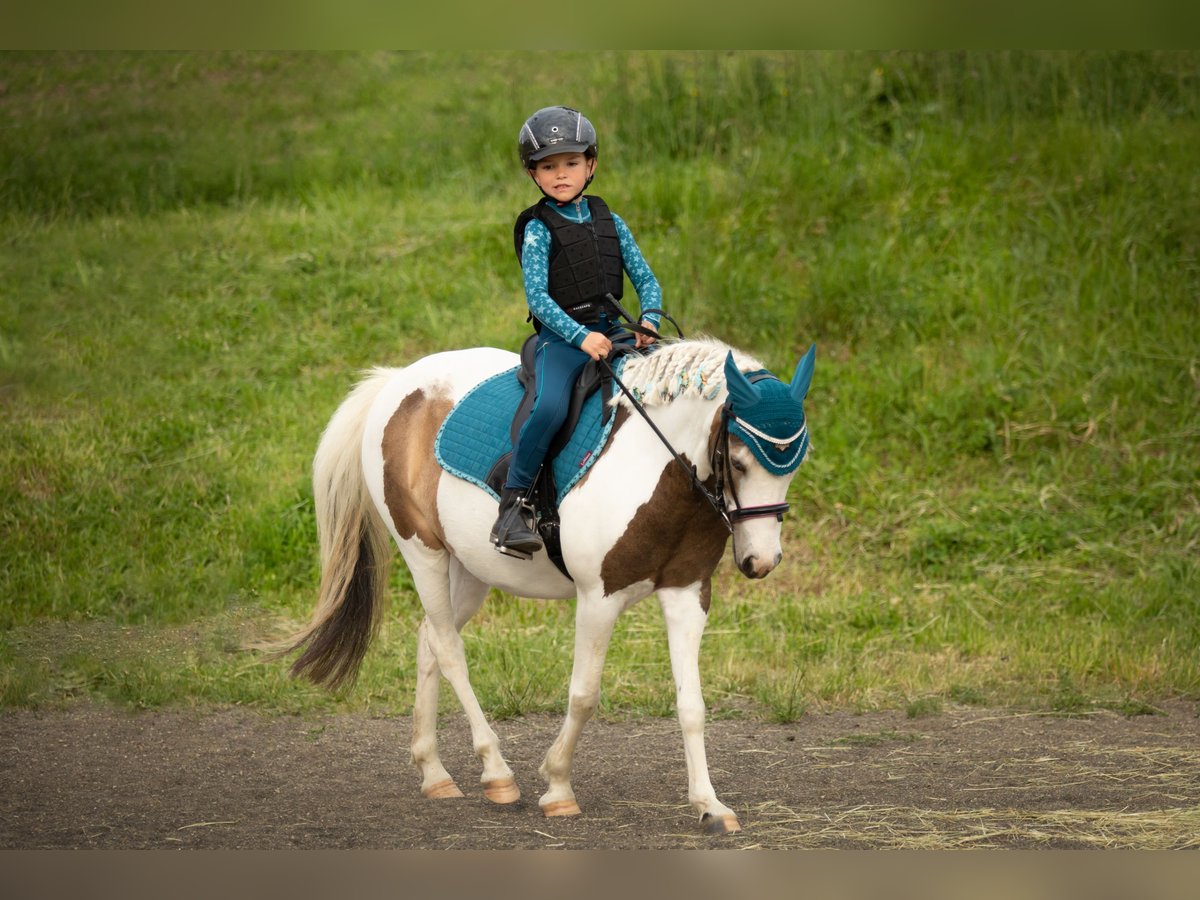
pixel 96 777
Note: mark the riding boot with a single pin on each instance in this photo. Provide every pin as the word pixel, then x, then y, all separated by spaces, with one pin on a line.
pixel 514 530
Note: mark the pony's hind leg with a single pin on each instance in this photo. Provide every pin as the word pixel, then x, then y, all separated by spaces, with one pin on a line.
pixel 436 782
pixel 467 594
pixel 448 592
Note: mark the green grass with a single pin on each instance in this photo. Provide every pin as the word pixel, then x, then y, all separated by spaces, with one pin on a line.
pixel 995 253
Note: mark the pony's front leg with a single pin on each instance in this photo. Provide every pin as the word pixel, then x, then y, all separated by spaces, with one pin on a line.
pixel 595 616
pixel 686 618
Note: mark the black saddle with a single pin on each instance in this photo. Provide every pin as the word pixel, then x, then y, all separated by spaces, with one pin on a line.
pixel 544 494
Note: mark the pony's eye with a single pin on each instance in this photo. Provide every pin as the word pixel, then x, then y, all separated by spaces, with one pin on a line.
pixel 738 466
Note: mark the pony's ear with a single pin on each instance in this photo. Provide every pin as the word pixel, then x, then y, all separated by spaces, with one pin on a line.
pixel 741 391
pixel 804 373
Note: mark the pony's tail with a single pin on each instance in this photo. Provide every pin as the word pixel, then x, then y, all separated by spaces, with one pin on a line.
pixel 356 550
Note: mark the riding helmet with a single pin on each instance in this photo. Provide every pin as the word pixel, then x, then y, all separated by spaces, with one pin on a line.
pixel 556 129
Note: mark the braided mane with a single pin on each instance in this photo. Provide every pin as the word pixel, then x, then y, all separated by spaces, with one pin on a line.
pixel 691 368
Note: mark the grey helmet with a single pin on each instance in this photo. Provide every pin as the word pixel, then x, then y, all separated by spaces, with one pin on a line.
pixel 556 129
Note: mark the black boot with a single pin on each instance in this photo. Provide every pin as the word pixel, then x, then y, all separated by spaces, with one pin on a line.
pixel 513 533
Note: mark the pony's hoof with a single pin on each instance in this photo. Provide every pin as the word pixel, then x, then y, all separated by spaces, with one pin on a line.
pixel 560 808
pixel 443 790
pixel 726 824
pixel 502 790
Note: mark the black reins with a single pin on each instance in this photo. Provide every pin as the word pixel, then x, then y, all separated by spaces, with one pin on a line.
pixel 719 459
pixel 717 502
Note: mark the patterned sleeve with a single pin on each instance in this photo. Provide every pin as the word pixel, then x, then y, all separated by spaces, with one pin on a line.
pixel 647 287
pixel 535 268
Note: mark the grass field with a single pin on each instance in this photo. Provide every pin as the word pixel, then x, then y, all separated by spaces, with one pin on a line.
pixel 996 255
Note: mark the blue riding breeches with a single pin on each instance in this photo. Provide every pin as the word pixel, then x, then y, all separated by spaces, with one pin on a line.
pixel 558 364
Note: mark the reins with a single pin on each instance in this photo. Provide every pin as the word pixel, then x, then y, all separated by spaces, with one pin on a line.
pixel 716 502
pixel 719 459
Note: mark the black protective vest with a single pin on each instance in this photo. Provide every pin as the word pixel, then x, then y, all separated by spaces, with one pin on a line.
pixel 585 259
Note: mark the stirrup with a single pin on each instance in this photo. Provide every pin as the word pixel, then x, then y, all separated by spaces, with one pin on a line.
pixel 517 552
pixel 512 517
pixel 513 552
pixel 535 542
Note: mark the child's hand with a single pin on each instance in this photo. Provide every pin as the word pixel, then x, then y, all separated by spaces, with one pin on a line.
pixel 645 340
pixel 596 345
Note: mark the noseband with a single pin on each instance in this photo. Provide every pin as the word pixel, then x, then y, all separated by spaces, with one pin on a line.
pixel 719 461
pixel 721 465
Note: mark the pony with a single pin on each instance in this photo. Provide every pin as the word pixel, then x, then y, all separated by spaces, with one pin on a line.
pixel 690 460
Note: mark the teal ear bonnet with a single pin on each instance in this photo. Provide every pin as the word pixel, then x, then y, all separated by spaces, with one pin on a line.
pixel 767 415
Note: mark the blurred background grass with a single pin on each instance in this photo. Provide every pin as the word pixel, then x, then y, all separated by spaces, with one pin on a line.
pixel 994 252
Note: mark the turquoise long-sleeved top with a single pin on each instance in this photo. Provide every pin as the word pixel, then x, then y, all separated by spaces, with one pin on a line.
pixel 535 266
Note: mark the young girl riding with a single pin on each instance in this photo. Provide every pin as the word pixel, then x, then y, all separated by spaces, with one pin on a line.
pixel 574 253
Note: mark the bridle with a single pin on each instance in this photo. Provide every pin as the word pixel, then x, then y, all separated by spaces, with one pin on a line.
pixel 722 465
pixel 719 461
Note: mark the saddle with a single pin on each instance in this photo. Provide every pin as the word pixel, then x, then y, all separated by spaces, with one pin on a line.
pixel 544 493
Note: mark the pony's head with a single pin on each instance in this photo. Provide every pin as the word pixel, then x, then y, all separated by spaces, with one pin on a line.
pixel 763 418
pixel 768 415
pixel 768 440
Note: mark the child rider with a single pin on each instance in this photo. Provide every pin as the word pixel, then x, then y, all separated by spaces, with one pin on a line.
pixel 573 252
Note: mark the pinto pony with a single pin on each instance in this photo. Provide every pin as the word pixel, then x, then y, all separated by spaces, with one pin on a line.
pixel 638 523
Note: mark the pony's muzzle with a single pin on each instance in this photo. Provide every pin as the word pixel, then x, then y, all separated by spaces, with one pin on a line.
pixel 754 566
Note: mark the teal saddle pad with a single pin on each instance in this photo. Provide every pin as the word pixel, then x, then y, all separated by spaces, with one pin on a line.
pixel 476 433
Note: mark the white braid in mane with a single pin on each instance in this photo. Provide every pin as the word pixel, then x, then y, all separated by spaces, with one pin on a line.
pixel 691 368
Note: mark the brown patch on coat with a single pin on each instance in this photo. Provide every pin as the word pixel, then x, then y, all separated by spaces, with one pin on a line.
pixel 674 539
pixel 410 471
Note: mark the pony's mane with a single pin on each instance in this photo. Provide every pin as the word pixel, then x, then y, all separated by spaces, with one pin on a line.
pixel 691 368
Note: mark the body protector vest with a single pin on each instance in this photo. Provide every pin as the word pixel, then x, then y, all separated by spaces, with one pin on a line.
pixel 585 259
